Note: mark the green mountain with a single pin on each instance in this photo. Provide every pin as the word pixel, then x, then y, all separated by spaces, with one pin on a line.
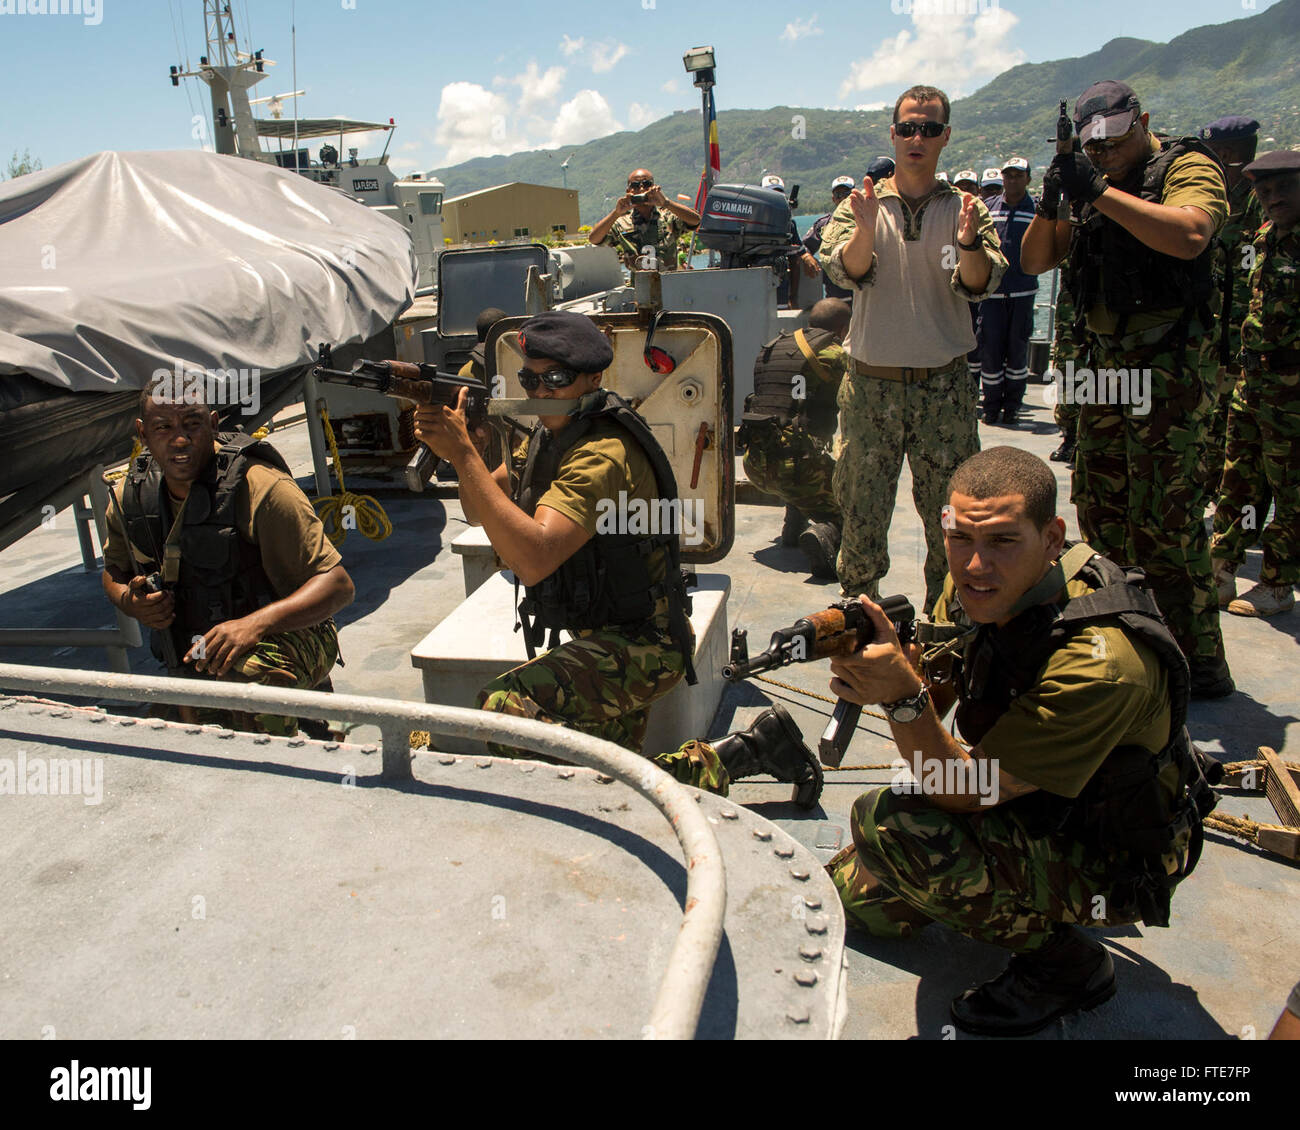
pixel 1248 66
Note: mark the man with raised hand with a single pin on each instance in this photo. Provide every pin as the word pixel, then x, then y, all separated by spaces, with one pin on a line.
pixel 645 217
pixel 917 252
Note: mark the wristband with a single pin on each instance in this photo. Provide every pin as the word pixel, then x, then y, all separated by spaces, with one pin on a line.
pixel 979 242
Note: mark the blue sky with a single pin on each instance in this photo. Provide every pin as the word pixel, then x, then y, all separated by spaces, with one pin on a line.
pixel 467 79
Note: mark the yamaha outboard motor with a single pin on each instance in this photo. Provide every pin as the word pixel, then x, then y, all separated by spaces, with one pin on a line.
pixel 750 226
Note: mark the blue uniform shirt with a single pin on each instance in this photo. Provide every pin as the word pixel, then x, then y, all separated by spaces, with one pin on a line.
pixel 1011 222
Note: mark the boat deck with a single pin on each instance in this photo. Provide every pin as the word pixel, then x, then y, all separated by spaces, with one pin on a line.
pixel 1223 968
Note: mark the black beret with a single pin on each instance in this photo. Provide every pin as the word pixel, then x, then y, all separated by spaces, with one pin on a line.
pixel 569 338
pixel 1231 128
pixel 1275 164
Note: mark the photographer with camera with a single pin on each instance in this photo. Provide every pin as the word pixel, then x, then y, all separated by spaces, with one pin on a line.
pixel 213 545
pixel 645 217
pixel 1080 800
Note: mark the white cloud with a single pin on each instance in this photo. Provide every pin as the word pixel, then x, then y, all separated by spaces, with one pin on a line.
pixel 537 88
pixel 474 122
pixel 584 117
pixel 671 86
pixel 801 28
pixel 605 55
pixel 872 106
pixel 953 50
pixel 570 47
pixel 639 115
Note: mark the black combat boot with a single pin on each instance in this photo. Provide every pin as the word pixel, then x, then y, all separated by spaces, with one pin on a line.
pixel 820 543
pixel 992 395
pixel 1072 972
pixel 795 524
pixel 1211 677
pixel 773 745
pixel 1013 395
pixel 1064 453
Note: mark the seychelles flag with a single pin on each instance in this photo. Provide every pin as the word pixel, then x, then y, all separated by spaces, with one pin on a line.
pixel 714 167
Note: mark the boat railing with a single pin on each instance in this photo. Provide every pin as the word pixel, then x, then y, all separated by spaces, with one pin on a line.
pixel 676 1010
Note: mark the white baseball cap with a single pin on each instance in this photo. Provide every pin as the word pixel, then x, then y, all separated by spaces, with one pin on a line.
pixel 991 176
pixel 772 181
pixel 966 174
pixel 841 182
pixel 1016 163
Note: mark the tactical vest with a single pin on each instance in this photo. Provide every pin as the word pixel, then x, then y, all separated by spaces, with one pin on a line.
pixel 1108 264
pixel 779 362
pixel 607 582
pixel 1124 809
pixel 220 574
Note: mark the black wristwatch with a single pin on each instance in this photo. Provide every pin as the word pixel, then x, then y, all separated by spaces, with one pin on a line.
pixel 907 709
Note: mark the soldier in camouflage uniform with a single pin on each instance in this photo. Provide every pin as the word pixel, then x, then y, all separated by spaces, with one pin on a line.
pixel 917 252
pixel 997 841
pixel 632 642
pixel 788 427
pixel 264 613
pixel 650 220
pixel 1263 460
pixel 1233 141
pixel 1138 481
pixel 1066 349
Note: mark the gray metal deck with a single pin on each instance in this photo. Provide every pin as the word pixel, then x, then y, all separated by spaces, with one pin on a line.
pixel 1222 969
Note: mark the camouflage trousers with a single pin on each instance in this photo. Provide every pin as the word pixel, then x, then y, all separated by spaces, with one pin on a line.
pixel 297 660
pixel 1216 436
pixel 1140 490
pixel 931 421
pixel 1263 467
pixel 1066 349
pixel 794 465
pixel 980 874
pixel 603 683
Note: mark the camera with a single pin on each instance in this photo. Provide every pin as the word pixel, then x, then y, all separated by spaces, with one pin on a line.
pixel 154 582
pixel 639 197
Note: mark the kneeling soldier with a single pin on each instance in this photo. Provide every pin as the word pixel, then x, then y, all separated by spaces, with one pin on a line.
pixel 621 596
pixel 1080 803
pixel 212 545
pixel 788 427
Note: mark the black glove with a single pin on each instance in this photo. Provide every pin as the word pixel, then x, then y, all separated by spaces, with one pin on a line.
pixel 1049 203
pixel 1078 176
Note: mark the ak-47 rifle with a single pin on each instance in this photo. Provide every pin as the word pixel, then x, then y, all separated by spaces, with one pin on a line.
pixel 842 629
pixel 420 384
pixel 1065 142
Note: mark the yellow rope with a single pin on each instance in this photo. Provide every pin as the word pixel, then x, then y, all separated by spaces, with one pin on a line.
pixel 364 510
pixel 814 694
pixel 121 473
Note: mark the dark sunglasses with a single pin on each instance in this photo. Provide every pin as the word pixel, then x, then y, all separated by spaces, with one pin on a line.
pixel 657 360
pixel 926 129
pixel 552 378
pixel 633 185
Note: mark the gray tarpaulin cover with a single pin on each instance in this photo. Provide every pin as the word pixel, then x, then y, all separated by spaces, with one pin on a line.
pixel 119 264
